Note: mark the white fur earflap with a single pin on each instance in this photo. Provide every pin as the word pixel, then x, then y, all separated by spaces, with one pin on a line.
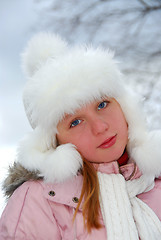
pixel 148 154
pixel 55 165
pixel 39 49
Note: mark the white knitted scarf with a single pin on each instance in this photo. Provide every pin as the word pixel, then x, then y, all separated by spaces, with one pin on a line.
pixel 125 216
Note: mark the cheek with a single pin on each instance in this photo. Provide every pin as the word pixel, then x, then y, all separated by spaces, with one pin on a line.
pixel 85 146
pixel 122 127
pixel 82 141
pixel 64 137
pixel 118 119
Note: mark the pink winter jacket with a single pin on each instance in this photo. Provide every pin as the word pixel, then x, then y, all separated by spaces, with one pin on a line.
pixel 41 211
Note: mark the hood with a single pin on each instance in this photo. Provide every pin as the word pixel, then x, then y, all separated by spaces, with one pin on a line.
pixel 17 175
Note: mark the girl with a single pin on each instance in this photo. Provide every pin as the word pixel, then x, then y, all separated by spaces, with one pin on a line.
pixel 90 169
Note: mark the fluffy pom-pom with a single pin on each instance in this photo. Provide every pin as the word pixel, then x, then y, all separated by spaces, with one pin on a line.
pixel 39 49
pixel 148 155
pixel 61 164
pixel 54 165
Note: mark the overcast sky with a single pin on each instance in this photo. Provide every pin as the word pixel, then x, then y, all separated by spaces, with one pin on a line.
pixel 17 20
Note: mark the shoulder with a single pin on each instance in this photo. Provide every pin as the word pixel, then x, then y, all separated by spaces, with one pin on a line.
pixel 30 191
pixel 25 210
pixel 153 198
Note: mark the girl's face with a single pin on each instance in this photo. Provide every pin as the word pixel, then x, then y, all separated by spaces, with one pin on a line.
pixel 98 130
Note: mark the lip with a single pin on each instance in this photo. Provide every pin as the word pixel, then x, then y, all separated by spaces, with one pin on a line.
pixel 109 142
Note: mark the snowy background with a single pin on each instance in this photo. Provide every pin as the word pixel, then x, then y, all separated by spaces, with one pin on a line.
pixel 131 28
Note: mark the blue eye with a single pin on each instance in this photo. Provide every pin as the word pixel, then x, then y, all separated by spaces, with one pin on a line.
pixel 75 123
pixel 102 105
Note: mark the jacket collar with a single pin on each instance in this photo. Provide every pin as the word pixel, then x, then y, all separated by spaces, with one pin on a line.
pixel 72 187
pixel 129 171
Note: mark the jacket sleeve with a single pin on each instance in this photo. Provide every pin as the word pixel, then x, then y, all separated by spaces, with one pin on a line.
pixel 28 216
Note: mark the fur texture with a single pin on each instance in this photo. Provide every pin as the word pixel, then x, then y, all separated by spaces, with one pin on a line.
pixel 54 165
pixel 60 80
pixel 147 155
pixel 37 56
pixel 17 175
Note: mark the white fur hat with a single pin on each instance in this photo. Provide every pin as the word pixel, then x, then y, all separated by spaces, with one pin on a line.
pixel 60 80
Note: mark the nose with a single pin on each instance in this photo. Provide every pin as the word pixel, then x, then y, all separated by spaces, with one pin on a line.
pixel 98 125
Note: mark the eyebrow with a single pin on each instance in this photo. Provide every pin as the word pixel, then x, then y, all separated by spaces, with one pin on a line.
pixel 68 116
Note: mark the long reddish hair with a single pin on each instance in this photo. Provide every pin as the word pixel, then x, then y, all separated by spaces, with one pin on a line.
pixel 90 193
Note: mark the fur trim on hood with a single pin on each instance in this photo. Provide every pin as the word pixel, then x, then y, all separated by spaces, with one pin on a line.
pixel 17 175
